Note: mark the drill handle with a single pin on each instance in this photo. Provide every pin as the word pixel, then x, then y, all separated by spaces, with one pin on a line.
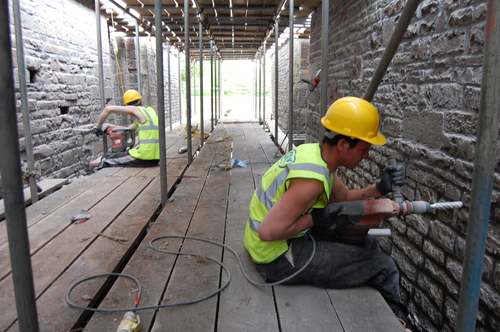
pixel 396 190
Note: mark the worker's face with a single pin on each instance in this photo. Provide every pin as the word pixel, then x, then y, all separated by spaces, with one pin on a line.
pixel 352 157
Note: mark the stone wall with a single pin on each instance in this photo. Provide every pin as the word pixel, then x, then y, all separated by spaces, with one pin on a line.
pixel 300 90
pixel 60 49
pixel 428 102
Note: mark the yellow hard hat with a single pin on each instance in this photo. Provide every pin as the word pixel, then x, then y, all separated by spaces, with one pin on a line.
pixel 130 96
pixel 355 118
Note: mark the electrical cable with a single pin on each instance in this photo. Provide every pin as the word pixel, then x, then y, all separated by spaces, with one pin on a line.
pixel 139 291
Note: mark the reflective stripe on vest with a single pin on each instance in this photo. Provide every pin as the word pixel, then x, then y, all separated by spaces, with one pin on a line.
pixel 305 162
pixel 149 143
pixel 266 197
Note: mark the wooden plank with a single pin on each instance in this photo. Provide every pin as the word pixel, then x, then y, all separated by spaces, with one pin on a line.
pixel 39 210
pixel 152 268
pixel 47 187
pixel 243 306
pixel 299 307
pixel 200 278
pixel 306 307
pixel 55 223
pixel 55 258
pixel 364 309
pixel 103 256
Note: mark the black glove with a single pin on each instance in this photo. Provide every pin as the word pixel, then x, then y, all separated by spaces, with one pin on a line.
pixel 97 130
pixel 325 217
pixel 391 175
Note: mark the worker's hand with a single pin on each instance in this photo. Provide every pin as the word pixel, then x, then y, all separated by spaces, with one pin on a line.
pixel 105 127
pixel 325 217
pixel 97 130
pixel 391 175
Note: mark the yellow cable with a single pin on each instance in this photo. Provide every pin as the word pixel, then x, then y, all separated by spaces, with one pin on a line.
pixel 116 56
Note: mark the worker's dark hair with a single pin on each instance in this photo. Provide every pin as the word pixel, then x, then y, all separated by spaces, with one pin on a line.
pixel 335 140
pixel 135 103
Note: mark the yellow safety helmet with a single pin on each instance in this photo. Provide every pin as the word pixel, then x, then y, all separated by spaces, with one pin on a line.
pixel 130 96
pixel 355 118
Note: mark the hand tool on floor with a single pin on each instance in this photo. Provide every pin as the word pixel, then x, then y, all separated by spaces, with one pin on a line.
pixel 358 217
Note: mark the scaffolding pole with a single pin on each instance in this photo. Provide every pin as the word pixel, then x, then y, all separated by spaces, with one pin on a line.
pixel 212 82
pixel 290 79
pixel 202 124
pixel 21 70
pixel 482 177
pixel 10 168
pixel 161 104
pixel 325 22
pixel 276 116
pixel 138 58
pixel 264 84
pixel 188 81
pixel 169 87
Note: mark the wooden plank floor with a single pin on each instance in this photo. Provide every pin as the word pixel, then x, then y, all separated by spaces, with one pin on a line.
pixel 206 202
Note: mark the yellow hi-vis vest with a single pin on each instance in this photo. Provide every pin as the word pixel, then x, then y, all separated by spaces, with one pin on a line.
pixel 305 162
pixel 149 144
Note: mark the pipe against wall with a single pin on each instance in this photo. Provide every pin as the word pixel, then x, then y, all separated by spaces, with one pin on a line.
pixel 401 27
pixel 24 101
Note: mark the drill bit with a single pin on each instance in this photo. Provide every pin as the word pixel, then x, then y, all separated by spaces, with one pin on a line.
pixel 447 205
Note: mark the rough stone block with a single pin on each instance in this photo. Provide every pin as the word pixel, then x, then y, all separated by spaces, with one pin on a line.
pixel 461 16
pixel 490 298
pixel 424 127
pixel 447 43
pixel 431 288
pixel 442 277
pixel 443 235
pixel 428 307
pixel 434 252
pixel 462 147
pixel 476 39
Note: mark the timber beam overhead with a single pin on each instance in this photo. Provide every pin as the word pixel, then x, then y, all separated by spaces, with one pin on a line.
pixel 228 27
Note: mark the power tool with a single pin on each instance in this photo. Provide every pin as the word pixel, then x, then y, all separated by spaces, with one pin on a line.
pixel 121 139
pixel 358 217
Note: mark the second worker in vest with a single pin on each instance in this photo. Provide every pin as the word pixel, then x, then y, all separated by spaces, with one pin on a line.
pixel 144 121
pixel 292 201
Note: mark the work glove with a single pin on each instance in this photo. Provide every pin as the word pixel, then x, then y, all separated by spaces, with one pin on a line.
pixel 105 127
pixel 324 219
pixel 391 175
pixel 97 130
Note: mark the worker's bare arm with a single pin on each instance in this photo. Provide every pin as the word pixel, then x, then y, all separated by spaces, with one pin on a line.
pixel 121 127
pixel 127 110
pixel 286 218
pixel 340 193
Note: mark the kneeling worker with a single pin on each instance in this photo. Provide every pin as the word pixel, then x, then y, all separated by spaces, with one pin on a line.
pixel 145 121
pixel 294 199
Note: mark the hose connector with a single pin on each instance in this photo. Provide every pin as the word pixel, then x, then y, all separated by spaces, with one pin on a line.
pixel 130 323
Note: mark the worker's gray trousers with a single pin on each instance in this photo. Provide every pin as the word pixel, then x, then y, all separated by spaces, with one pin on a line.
pixel 124 159
pixel 336 265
